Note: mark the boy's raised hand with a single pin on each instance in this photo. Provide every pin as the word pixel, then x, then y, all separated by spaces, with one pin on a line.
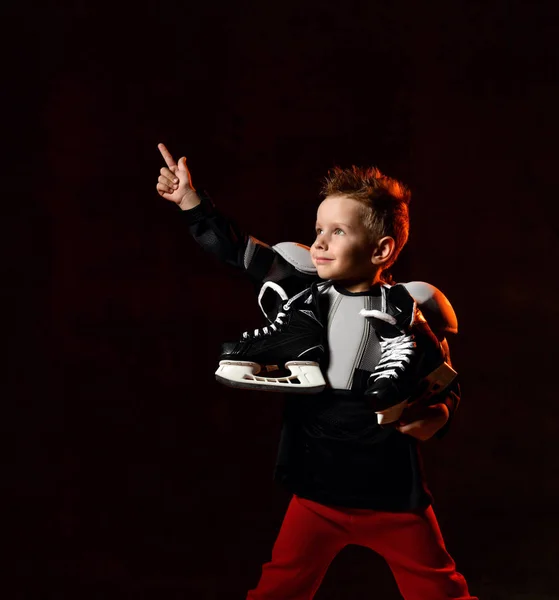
pixel 175 182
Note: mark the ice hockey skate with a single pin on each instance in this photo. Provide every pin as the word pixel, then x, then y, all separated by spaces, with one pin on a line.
pixel 412 362
pixel 283 356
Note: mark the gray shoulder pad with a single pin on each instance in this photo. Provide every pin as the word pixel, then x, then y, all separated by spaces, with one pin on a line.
pixel 435 307
pixel 297 255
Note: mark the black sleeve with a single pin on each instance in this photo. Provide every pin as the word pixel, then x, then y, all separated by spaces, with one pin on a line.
pixel 221 237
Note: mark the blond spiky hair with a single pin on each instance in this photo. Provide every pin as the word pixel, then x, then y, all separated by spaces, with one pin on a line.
pixel 384 200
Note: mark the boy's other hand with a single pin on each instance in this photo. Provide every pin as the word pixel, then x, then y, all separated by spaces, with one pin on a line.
pixel 175 182
pixel 422 421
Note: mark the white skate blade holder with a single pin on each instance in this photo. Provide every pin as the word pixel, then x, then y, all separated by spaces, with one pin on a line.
pixel 389 415
pixel 305 377
pixel 435 383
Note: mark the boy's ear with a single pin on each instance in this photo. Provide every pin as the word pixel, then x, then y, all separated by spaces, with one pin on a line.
pixel 383 250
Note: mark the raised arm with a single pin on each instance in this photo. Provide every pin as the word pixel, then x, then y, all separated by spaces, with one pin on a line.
pixel 214 232
pixel 219 235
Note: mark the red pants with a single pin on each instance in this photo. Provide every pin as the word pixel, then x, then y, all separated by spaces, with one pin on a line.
pixel 312 534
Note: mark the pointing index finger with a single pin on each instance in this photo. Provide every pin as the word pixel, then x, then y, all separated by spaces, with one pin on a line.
pixel 167 155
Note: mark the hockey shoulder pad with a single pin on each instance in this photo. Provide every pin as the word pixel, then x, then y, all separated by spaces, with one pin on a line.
pixel 276 263
pixel 297 255
pixel 435 307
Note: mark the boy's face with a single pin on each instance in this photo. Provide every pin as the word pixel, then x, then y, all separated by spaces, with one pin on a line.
pixel 343 249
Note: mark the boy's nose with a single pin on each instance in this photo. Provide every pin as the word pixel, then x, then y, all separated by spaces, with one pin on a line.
pixel 321 242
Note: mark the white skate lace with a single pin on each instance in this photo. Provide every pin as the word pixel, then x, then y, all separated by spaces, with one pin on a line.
pixel 395 352
pixel 268 329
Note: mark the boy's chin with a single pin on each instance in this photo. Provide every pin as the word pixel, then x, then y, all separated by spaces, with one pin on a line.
pixel 323 273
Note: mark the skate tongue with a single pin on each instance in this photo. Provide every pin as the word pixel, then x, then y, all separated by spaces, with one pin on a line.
pixel 384 324
pixel 386 330
pixel 267 303
pixel 401 306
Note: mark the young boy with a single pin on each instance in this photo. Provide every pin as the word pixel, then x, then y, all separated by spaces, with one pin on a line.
pixel 353 481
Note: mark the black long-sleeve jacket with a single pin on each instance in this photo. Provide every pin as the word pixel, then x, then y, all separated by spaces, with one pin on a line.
pixel 331 448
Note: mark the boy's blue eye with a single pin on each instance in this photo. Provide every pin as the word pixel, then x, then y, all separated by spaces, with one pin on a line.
pixel 336 231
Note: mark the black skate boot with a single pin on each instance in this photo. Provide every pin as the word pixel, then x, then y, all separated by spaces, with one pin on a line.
pixel 295 341
pixel 411 360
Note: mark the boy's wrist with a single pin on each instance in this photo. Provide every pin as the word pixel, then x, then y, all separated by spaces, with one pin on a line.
pixel 189 201
pixel 200 211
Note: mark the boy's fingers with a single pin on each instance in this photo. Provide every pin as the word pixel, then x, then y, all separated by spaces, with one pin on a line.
pixel 167 155
pixel 165 172
pixel 406 427
pixel 165 181
pixel 165 189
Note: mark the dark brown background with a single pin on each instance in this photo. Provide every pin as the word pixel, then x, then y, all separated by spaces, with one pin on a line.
pixel 129 472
